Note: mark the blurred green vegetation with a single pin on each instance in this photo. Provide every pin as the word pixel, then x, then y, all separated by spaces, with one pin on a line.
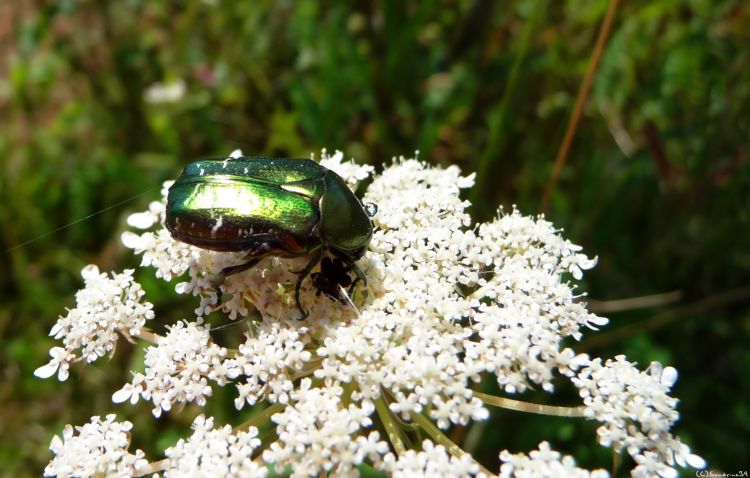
pixel 657 183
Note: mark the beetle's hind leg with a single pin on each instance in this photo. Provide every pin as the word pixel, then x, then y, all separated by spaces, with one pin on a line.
pixel 228 271
pixel 259 246
pixel 231 270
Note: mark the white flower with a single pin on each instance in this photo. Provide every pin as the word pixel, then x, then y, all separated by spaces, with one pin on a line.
pixel 636 412
pixel 177 369
pixel 352 172
pixel 318 434
pixel 60 363
pixel 446 304
pixel 432 462
pixel 265 362
pixel 165 92
pixel 543 463
pixel 215 452
pixel 96 449
pixel 105 309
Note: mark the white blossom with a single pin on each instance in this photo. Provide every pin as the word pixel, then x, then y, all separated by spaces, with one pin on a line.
pixel 266 361
pixel 105 309
pixel 215 452
pixel 352 172
pixel 60 363
pixel 543 463
pixel 169 92
pixel 637 413
pixel 433 461
pixel 97 448
pixel 177 369
pixel 446 304
pixel 319 434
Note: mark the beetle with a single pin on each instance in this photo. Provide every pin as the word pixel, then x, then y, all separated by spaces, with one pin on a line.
pixel 273 207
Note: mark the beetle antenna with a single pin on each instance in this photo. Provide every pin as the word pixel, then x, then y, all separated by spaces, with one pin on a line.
pixel 42 236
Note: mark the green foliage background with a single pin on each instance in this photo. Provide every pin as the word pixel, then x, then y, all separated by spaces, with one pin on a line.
pixel 657 183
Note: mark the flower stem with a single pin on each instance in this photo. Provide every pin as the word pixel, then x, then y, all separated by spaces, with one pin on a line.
pixel 498 117
pixel 148 336
pixel 395 434
pixel 261 417
pixel 522 406
pixel 438 436
pixel 308 368
pixel 153 467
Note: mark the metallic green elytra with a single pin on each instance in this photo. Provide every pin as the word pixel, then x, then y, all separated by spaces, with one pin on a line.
pixel 265 206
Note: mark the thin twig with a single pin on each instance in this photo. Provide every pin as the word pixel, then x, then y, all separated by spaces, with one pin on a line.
pixel 631 303
pixel 660 320
pixel 583 93
pixel 522 406
pixel 497 117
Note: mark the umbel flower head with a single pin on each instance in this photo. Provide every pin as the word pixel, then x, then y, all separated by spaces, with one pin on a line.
pixel 447 304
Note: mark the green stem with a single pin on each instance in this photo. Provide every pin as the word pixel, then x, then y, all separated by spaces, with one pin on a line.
pixel 438 436
pixel 308 368
pixel 497 117
pixel 395 434
pixel 522 406
pixel 260 418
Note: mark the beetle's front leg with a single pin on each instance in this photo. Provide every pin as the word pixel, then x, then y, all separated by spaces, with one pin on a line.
pixel 352 266
pixel 303 273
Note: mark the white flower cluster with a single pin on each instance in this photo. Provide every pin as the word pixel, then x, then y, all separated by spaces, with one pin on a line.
pixel 215 452
pixel 105 308
pixel 543 463
pixel 518 335
pixel 637 413
pixel 265 363
pixel 444 305
pixel 318 433
pixel 177 369
pixel 409 335
pixel 433 460
pixel 98 448
pixel 350 171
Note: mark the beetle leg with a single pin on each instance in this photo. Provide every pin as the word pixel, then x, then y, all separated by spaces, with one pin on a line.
pixel 261 246
pixel 303 273
pixel 360 275
pixel 228 271
pixel 353 267
pixel 265 245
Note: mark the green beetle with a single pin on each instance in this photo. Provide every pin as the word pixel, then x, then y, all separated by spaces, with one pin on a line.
pixel 280 207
